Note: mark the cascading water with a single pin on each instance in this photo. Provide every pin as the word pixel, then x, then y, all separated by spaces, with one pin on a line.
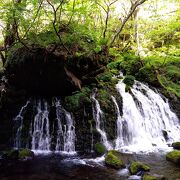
pixel 47 134
pixel 98 114
pixel 145 124
pixel 41 138
pixel 69 134
pixel 19 118
pixel 119 140
pixel 60 133
pixel 145 120
pixel 65 140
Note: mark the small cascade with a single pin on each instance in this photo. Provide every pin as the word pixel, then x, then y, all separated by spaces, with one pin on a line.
pixel 69 134
pixel 119 141
pixel 19 119
pixel 60 133
pixel 98 114
pixel 41 138
pixel 65 140
pixel 145 121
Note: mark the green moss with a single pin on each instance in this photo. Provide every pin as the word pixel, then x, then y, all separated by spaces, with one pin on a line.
pixel 114 65
pixel 138 166
pixel 149 177
pixel 129 80
pixel 114 71
pixel 147 74
pixel 73 102
pixel 105 77
pixel 176 145
pixel 100 148
pixel 173 156
pixel 113 160
pixel 170 86
pixel 24 153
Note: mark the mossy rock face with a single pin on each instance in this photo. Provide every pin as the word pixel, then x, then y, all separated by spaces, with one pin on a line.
pixel 25 153
pixel 114 160
pixel 100 148
pixel 138 166
pixel 176 145
pixel 173 156
pixel 105 77
pixel 72 103
pixel 129 80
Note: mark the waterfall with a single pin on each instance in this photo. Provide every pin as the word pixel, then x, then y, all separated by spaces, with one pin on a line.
pixel 47 134
pixel 98 114
pixel 145 121
pixel 19 119
pixel 41 138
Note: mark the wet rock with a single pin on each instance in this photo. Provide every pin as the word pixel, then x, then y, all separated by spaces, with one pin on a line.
pixel 113 159
pixel 173 156
pixel 136 167
pixel 176 145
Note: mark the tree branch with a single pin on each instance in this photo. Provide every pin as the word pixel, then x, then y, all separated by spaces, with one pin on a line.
pixel 54 24
pixel 40 5
pixel 131 11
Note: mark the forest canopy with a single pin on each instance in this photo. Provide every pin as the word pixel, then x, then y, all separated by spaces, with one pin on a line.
pixel 147 29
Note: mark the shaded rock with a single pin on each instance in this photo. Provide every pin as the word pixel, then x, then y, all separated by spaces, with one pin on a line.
pixel 11 154
pixel 176 145
pixel 113 159
pixel 173 156
pixel 135 167
pixel 40 72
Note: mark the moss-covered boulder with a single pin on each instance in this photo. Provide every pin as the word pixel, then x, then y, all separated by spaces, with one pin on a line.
pixel 173 156
pixel 113 159
pixel 129 80
pixel 176 145
pixel 135 167
pixel 100 148
pixel 11 154
pixel 149 177
pixel 25 153
pixel 153 177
